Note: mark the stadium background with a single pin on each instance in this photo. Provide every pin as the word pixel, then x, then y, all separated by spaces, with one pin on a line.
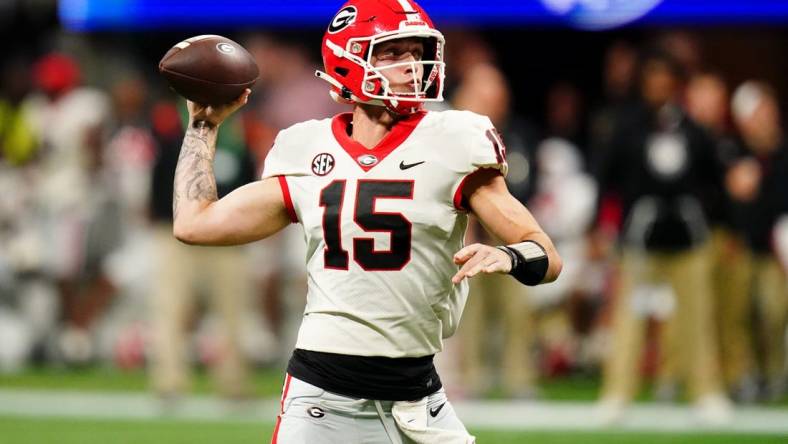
pixel 75 365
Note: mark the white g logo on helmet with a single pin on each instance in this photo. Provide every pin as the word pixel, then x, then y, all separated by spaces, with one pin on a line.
pixel 344 18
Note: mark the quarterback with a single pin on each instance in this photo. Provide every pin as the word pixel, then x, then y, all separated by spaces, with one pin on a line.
pixel 383 195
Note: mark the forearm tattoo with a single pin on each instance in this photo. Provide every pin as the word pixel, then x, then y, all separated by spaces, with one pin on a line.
pixel 194 179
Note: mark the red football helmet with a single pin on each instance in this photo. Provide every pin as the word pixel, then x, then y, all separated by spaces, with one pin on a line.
pixel 349 43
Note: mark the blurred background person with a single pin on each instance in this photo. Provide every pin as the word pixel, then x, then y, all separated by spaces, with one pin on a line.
pixel 494 299
pixel 707 102
pixel 127 162
pixel 759 183
pixel 469 49
pixel 79 219
pixel 18 142
pixel 684 48
pixel 619 77
pixel 663 167
pixel 28 300
pixel 185 275
pixel 564 199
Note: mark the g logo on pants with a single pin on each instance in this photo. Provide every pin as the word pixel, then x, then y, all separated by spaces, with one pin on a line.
pixel 316 412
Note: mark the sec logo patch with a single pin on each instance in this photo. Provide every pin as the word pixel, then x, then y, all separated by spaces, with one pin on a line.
pixel 322 164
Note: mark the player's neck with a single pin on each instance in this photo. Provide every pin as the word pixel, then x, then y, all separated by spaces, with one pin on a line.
pixel 371 124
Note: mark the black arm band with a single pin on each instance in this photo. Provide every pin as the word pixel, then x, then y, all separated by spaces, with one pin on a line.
pixel 529 262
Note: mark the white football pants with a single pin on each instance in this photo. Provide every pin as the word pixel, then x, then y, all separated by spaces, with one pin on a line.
pixel 311 415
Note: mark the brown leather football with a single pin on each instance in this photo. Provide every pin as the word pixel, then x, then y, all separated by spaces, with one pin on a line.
pixel 209 69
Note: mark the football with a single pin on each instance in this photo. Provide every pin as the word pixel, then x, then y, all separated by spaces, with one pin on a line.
pixel 209 69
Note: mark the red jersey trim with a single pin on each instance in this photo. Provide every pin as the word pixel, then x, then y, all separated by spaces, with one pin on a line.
pixel 288 200
pixel 459 198
pixel 398 134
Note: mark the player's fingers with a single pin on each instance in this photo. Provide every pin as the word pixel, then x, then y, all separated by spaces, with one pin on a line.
pixel 496 266
pixel 500 262
pixel 244 97
pixel 195 109
pixel 466 253
pixel 463 271
pixel 481 266
pixel 241 100
pixel 469 264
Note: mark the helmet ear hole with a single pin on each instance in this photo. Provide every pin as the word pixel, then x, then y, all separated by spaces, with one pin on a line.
pixel 430 48
pixel 342 71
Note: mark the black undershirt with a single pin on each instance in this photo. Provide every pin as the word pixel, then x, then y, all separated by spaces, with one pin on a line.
pixel 368 377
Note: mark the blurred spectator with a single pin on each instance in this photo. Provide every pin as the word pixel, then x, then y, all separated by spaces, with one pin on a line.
pixel 79 217
pixel 663 166
pixel 128 160
pixel 484 90
pixel 760 182
pixel 220 274
pixel 287 81
pixel 684 48
pixel 620 72
pixel 564 113
pixel 28 301
pixel 18 141
pixel 466 51
pixel 563 204
pixel 707 103
pixel 619 77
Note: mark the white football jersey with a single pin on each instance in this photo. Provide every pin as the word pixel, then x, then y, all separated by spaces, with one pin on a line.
pixel 381 227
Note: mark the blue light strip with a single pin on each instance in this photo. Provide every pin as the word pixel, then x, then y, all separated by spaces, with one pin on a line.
pixel 86 15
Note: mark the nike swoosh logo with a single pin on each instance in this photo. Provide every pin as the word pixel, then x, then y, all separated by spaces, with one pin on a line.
pixel 403 166
pixel 434 412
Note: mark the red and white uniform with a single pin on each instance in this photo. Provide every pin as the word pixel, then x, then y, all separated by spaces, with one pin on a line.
pixel 381 227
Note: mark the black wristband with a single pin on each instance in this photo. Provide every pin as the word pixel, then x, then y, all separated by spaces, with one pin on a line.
pixel 529 268
pixel 512 255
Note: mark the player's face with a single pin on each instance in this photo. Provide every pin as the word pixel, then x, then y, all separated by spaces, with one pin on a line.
pixel 404 77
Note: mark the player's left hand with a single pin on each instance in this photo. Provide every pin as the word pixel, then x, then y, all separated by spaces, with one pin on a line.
pixel 480 258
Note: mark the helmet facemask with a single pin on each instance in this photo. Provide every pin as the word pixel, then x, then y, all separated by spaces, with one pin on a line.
pixel 376 87
pixel 427 87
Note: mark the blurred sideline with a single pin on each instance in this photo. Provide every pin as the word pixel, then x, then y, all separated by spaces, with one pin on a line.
pixel 504 415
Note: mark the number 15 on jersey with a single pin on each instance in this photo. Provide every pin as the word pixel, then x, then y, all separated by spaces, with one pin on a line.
pixel 332 199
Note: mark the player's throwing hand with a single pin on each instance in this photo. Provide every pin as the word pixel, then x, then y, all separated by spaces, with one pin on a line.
pixel 215 115
pixel 480 258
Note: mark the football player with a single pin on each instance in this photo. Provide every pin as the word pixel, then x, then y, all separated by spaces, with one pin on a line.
pixel 383 195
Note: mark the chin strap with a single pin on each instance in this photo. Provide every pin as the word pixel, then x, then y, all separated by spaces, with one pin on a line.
pixel 346 97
